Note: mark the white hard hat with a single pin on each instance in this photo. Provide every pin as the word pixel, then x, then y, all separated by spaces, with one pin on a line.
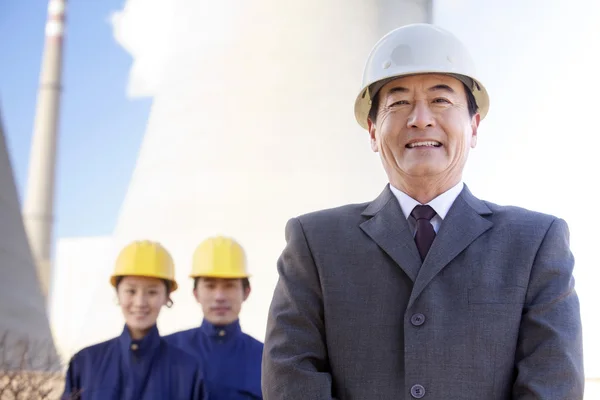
pixel 417 49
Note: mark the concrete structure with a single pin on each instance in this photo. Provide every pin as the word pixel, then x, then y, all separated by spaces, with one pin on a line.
pixel 244 133
pixel 83 268
pixel 39 201
pixel 22 307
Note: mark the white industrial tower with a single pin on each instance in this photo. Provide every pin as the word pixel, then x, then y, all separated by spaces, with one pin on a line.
pixel 252 123
pixel 39 199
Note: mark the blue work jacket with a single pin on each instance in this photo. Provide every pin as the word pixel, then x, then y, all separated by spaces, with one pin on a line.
pixel 127 369
pixel 231 359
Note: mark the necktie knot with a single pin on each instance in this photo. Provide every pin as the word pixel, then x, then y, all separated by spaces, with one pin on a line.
pixel 425 233
pixel 423 212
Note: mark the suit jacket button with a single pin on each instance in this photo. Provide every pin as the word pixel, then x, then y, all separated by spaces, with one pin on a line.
pixel 417 391
pixel 417 319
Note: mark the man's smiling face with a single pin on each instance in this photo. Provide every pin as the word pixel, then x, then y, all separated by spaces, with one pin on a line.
pixel 423 128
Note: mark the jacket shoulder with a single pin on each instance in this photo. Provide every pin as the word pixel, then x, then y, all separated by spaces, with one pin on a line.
pixel 98 349
pixel 179 336
pixel 520 216
pixel 254 343
pixel 333 217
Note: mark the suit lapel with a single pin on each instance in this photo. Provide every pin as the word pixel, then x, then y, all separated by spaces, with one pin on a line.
pixel 463 224
pixel 390 230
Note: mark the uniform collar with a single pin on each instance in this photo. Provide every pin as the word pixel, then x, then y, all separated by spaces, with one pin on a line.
pixel 140 347
pixel 221 331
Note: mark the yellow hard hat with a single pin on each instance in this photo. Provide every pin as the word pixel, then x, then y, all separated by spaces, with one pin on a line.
pixel 219 257
pixel 145 258
pixel 417 49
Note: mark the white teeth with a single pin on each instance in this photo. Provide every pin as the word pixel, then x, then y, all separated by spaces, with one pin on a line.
pixel 422 144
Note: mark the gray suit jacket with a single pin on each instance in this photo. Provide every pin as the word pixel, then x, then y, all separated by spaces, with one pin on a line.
pixel 491 313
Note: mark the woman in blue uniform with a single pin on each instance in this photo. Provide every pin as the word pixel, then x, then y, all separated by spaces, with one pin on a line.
pixel 138 364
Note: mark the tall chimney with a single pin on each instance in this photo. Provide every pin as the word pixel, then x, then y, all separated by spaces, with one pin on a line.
pixel 39 198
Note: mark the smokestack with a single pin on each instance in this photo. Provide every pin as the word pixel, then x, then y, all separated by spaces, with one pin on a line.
pixel 39 199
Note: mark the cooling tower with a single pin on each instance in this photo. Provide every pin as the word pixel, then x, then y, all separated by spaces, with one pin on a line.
pixel 252 123
pixel 22 307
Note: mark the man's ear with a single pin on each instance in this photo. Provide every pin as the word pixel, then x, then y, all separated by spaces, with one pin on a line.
pixel 195 293
pixel 474 127
pixel 372 135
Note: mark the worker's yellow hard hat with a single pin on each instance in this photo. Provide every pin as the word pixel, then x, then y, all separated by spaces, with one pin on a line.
pixel 219 257
pixel 145 258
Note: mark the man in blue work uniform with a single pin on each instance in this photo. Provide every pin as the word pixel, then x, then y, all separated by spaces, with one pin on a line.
pixel 231 358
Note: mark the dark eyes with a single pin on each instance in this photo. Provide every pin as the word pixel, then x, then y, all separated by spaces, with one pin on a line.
pixel 131 292
pixel 227 286
pixel 438 100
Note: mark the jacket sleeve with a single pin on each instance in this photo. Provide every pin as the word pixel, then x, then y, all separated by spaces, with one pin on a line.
pixel 294 363
pixel 549 356
pixel 72 390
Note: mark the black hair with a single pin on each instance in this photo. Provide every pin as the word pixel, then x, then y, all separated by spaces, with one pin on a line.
pixel 245 283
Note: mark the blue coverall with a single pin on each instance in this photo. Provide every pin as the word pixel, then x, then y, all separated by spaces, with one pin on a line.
pixel 231 359
pixel 127 369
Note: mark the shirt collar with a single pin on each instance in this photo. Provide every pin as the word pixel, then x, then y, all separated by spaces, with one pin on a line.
pixel 441 204
pixel 221 331
pixel 139 347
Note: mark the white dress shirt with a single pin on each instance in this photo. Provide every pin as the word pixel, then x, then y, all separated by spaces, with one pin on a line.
pixel 440 205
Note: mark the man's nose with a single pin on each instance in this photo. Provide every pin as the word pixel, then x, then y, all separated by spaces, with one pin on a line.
pixel 421 116
pixel 220 294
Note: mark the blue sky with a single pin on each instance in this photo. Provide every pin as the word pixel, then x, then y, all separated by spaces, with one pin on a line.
pixel 100 128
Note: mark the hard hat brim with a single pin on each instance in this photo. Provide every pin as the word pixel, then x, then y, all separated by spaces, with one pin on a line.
pixel 363 102
pixel 174 286
pixel 220 276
